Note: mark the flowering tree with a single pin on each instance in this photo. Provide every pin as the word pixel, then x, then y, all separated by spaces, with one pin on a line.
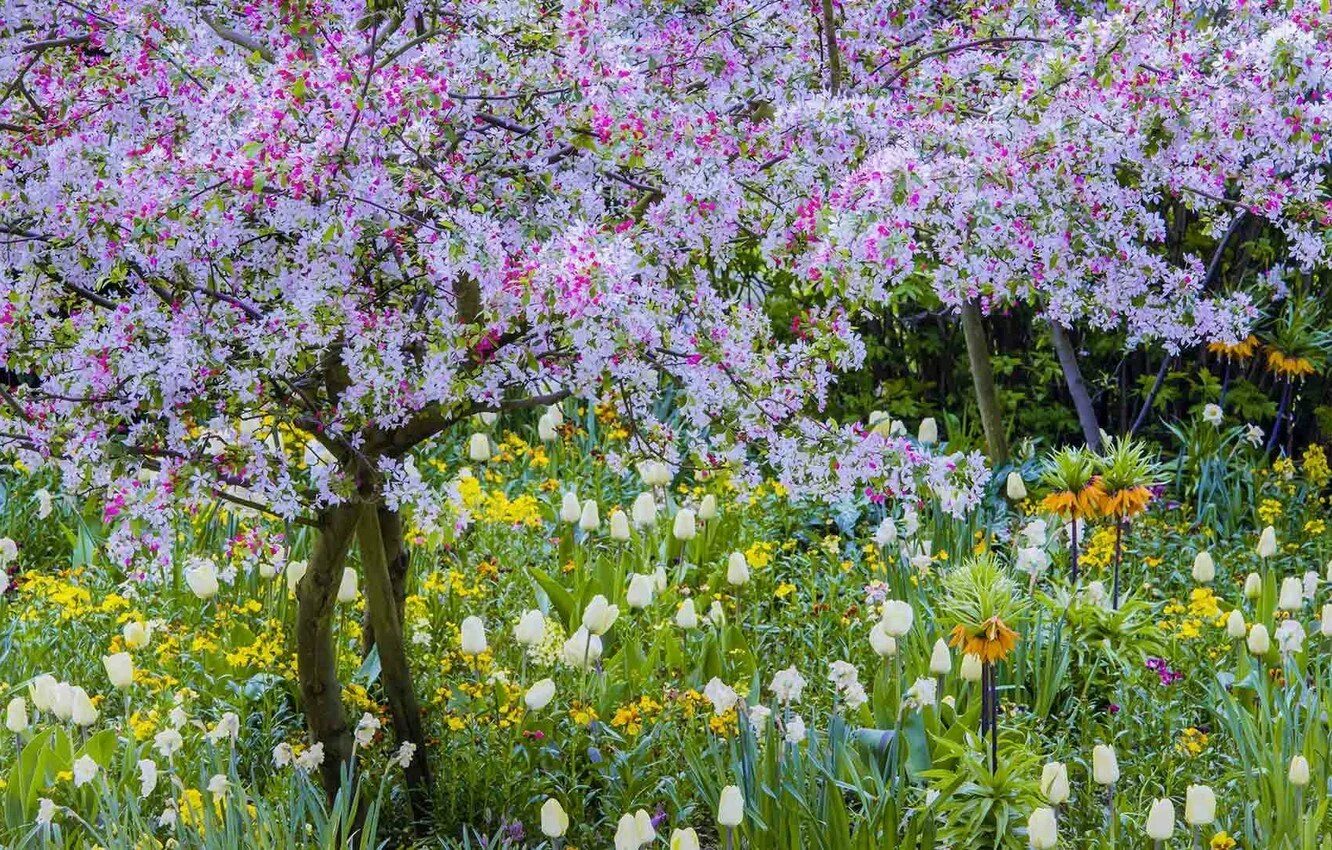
pixel 238 238
pixel 1101 168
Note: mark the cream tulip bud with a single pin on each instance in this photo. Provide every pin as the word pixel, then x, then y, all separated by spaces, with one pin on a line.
pixel 295 571
pixel 1160 820
pixel 619 525
pixel 686 617
pixel 267 569
pixel 478 448
pixel 684 839
pixel 556 414
pixel 531 628
pixel 685 527
pixel 590 517
pixel 707 508
pixel 941 660
pixel 472 635
pixel 201 576
pixel 1325 624
pixel 546 429
pixel 137 634
pixel 16 715
pixel 1199 805
pixel 1267 543
pixel 119 669
pixel 1042 830
pixel 1014 487
pixel 928 433
pixel 647 833
pixel 639 595
pixel 347 590
pixel 1054 783
pixel 42 691
pixel 897 617
pixel 644 510
pixel 570 508
pixel 539 695
pixel 731 807
pixel 1259 641
pixel 1298 775
pixel 554 822
pixel 737 569
pixel 1204 568
pixel 884 645
pixel 1236 628
pixel 82 711
pixel 626 833
pixel 971 668
pixel 1253 586
pixel 599 615
pixel 1291 597
pixel 716 615
pixel 1105 767
pixel 582 649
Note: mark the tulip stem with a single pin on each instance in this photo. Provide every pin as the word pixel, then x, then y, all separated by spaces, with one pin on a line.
pixel 1119 557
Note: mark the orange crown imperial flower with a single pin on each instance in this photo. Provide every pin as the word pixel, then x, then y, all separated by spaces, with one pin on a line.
pixel 1076 505
pixel 1125 503
pixel 992 642
pixel 1241 350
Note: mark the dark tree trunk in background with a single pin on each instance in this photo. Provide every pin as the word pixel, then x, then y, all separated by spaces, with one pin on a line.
pixel 385 611
pixel 316 653
pixel 1151 394
pixel 982 375
pixel 1077 387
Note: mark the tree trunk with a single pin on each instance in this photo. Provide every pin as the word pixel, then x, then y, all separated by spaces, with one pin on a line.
pixel 982 375
pixel 395 672
pixel 316 654
pixel 397 557
pixel 1151 394
pixel 1077 387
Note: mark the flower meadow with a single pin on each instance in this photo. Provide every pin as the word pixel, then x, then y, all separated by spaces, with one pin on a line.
pixel 632 659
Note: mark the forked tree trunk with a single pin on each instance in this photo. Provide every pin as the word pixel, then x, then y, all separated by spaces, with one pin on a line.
pixel 316 654
pixel 1077 387
pixel 982 376
pixel 398 559
pixel 395 672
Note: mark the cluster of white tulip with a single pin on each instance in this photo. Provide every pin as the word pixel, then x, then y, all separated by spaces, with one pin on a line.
pixel 634 830
pixel 549 424
pixel 894 622
pixel 66 702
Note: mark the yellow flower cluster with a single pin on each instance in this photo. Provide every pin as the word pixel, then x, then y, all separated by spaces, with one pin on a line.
pixel 1314 463
pixel 1192 742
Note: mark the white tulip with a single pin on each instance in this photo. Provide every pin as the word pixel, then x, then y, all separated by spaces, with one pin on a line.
pixel 554 821
pixel 347 588
pixel 971 668
pixel 1161 820
pixel 1105 767
pixel 16 715
pixel 639 595
pixel 883 644
pixel 686 617
pixel 478 448
pixel 571 510
pixel 1253 586
pixel 1325 624
pixel 42 692
pixel 1054 783
pixel 928 433
pixel 582 650
pixel 556 414
pixel 137 634
pixel 295 572
pixel 626 833
pixel 897 617
pixel 546 429
pixel 1267 543
pixel 539 695
pixel 82 711
pixel 1014 487
pixel 531 628
pixel 590 517
pixel 644 510
pixel 737 569
pixel 1204 568
pixel 1235 626
pixel 685 527
pixel 619 525
pixel 1199 805
pixel 941 660
pixel 684 839
pixel 472 634
pixel 731 807
pixel 1298 775
pixel 201 576
pixel 599 615
pixel 1291 597
pixel 707 508
pixel 119 669
pixel 1259 641
pixel 647 833
pixel 1042 830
